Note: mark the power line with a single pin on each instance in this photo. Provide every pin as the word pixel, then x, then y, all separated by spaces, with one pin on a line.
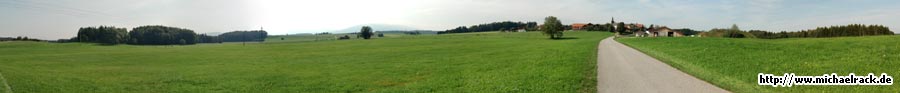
pixel 69 8
pixel 24 6
pixel 60 9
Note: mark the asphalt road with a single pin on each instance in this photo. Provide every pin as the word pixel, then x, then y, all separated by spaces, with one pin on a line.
pixel 622 69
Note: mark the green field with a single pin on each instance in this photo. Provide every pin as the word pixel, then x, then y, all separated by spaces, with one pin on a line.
pixel 734 63
pixel 472 62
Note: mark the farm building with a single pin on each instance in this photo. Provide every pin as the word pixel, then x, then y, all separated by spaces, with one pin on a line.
pixel 578 26
pixel 657 31
pixel 664 32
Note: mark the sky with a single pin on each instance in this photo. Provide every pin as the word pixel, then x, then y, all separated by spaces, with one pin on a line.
pixel 58 19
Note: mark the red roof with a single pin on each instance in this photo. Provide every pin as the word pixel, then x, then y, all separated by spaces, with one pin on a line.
pixel 578 26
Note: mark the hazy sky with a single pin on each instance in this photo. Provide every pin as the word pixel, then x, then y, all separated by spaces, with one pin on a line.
pixel 55 19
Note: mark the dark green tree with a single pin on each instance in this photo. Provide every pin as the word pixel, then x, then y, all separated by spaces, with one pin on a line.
pixel 162 35
pixel 182 42
pixel 620 28
pixel 552 27
pixel 102 34
pixel 366 32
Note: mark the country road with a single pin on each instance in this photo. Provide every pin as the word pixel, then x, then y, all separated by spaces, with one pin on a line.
pixel 621 69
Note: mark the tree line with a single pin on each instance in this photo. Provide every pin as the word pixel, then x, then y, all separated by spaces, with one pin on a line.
pixel 243 36
pixel 102 34
pixel 160 35
pixel 19 38
pixel 494 26
pixel 832 31
pixel 598 27
pixel 552 27
pixel 733 32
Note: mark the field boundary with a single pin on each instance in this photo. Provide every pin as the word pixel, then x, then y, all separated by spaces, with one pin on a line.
pixel 5 83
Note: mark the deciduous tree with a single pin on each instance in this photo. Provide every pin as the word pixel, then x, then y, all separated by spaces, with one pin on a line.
pixel 366 32
pixel 552 27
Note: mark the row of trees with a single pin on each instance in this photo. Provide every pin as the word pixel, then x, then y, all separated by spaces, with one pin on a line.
pixel 102 34
pixel 733 32
pixel 19 38
pixel 160 35
pixel 598 27
pixel 494 26
pixel 203 38
pixel 687 31
pixel 833 31
pixel 552 27
pixel 244 36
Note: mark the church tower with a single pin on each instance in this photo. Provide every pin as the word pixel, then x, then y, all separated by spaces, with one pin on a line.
pixel 613 20
pixel 612 24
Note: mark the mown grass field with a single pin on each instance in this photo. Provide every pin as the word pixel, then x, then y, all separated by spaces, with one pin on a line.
pixel 734 63
pixel 473 62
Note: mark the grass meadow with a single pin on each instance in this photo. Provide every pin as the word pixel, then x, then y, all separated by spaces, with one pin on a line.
pixel 471 62
pixel 734 63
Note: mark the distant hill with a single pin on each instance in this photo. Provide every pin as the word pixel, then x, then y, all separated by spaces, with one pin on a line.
pixel 376 27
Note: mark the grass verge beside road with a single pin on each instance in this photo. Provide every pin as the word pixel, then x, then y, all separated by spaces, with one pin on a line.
pixel 734 63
